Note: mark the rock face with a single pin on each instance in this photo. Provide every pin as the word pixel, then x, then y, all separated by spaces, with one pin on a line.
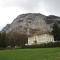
pixel 32 23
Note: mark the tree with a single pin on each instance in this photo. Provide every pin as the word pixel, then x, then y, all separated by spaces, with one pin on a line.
pixel 3 40
pixel 56 32
pixel 17 39
pixel 11 40
pixel 21 39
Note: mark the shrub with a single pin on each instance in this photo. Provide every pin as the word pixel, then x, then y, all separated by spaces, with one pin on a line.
pixel 44 45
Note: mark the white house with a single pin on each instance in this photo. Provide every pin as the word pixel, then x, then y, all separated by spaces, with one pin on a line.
pixel 38 39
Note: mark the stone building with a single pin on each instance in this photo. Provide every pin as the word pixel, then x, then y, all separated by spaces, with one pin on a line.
pixel 39 39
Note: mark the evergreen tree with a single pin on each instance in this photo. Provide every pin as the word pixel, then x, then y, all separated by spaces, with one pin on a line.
pixel 3 40
pixel 56 32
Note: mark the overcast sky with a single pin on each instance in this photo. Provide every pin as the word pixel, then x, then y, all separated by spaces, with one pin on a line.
pixel 9 9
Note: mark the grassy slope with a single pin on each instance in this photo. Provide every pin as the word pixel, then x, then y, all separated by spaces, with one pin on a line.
pixel 31 54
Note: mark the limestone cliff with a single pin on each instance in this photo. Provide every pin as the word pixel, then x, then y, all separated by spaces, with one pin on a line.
pixel 32 23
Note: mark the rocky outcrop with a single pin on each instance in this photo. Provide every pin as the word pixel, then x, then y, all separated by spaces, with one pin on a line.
pixel 32 23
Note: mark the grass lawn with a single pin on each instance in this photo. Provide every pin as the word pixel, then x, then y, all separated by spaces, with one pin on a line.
pixel 31 54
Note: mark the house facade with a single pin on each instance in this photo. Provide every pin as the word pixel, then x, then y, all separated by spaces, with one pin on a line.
pixel 39 39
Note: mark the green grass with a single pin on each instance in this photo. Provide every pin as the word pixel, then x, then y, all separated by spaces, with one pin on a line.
pixel 31 54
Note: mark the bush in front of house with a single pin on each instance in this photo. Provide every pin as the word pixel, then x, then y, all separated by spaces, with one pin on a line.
pixel 44 45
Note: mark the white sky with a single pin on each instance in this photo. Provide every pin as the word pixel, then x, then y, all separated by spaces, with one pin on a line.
pixel 10 9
